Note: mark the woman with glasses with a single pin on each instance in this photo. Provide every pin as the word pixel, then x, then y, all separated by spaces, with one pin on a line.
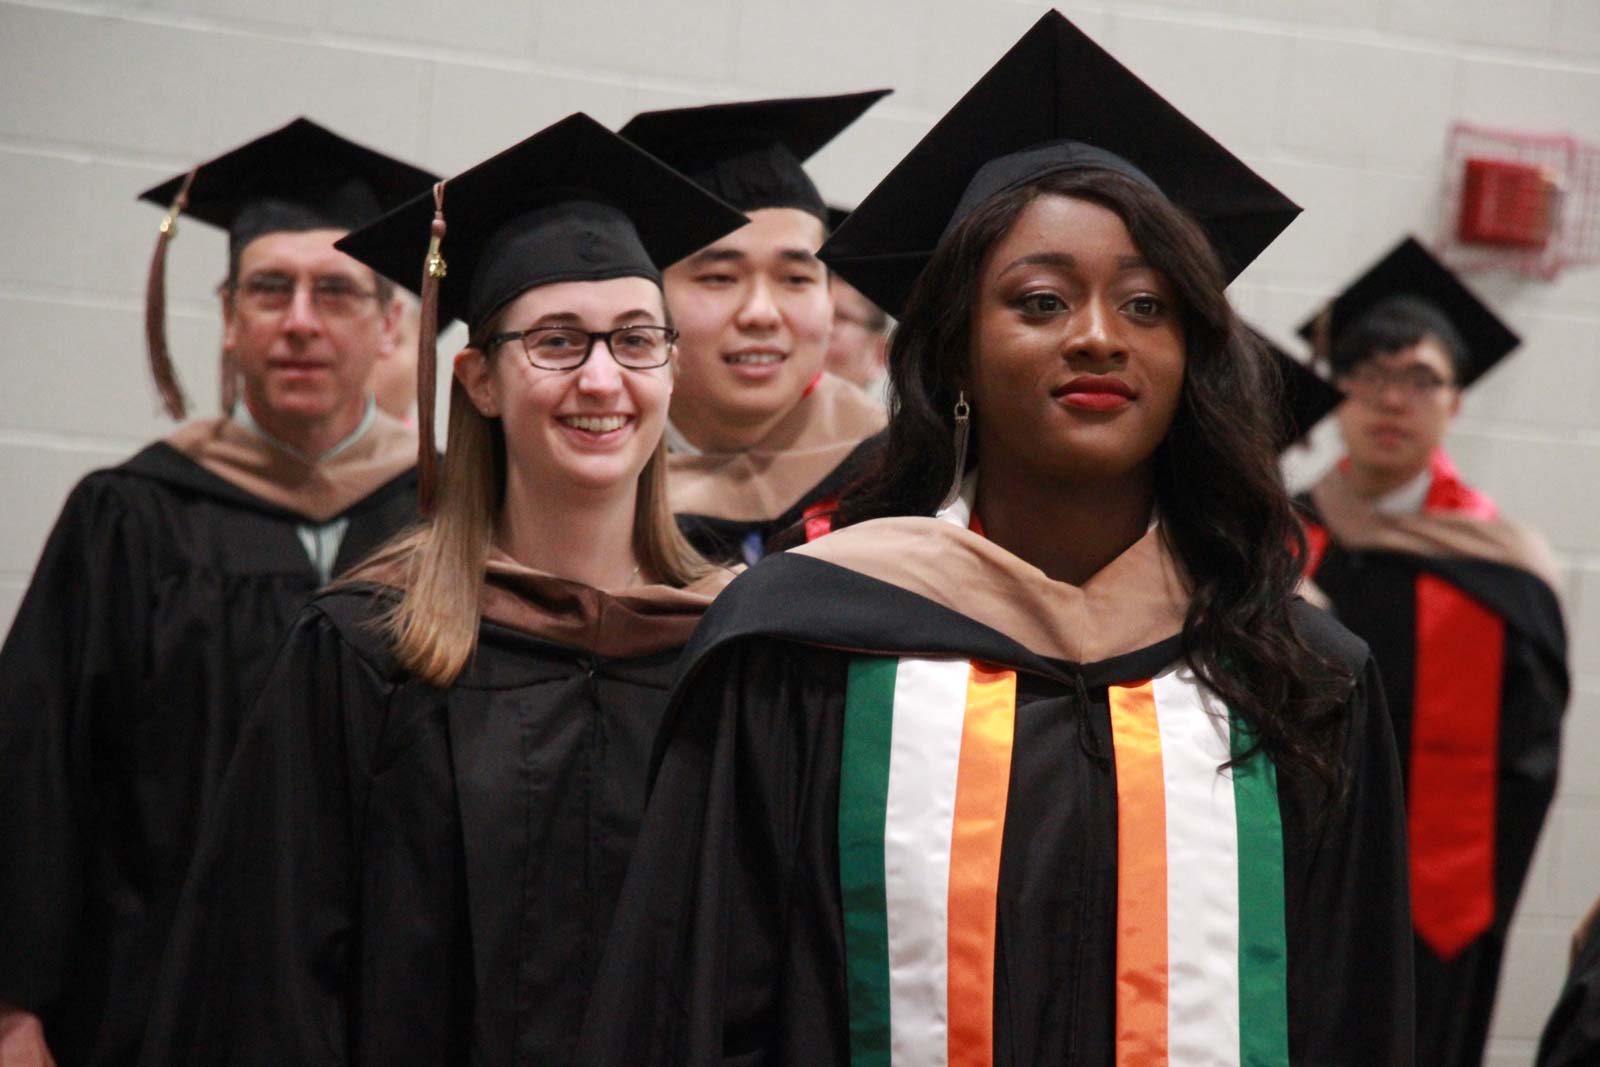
pixel 1459 606
pixel 417 853
pixel 1041 762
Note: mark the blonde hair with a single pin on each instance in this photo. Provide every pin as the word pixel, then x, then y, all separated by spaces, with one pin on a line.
pixel 434 627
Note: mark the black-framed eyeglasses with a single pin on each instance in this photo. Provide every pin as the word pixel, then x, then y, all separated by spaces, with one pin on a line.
pixel 568 348
pixel 1369 382
pixel 334 297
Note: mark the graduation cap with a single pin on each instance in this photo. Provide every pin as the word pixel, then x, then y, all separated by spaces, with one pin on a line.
pixel 1410 270
pixel 1056 101
pixel 750 153
pixel 300 177
pixel 836 216
pixel 573 202
pixel 1307 396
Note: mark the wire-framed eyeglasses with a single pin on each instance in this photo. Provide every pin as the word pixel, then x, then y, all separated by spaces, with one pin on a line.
pixel 1368 382
pixel 273 293
pixel 565 348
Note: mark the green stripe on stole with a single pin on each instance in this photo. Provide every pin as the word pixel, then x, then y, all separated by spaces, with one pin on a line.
pixel 1263 936
pixel 863 798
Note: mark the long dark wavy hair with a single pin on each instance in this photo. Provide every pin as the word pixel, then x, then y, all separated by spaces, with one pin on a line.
pixel 1225 514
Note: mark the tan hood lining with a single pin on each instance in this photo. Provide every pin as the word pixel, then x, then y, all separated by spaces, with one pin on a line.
pixel 1355 523
pixel 768 479
pixel 1137 600
pixel 317 491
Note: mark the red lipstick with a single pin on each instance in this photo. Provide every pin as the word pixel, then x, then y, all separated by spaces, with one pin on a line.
pixel 1096 392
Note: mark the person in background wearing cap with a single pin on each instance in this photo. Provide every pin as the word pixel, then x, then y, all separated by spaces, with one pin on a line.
pixel 761 437
pixel 169 581
pixel 1459 606
pixel 427 822
pixel 1039 761
pixel 858 347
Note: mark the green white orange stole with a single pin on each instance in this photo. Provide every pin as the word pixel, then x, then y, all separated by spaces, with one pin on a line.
pixel 1201 956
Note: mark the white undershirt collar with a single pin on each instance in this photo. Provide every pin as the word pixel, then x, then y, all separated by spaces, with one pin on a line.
pixel 1408 499
pixel 241 415
pixel 678 443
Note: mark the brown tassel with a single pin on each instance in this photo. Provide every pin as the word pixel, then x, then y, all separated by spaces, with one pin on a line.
pixel 1322 338
pixel 155 308
pixel 433 269
pixel 229 371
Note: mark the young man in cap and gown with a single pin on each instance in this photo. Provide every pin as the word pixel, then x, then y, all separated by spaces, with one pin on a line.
pixel 1459 605
pixel 762 438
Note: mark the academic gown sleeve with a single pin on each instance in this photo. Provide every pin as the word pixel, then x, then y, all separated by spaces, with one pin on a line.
pixel 69 672
pixel 1572 1034
pixel 1350 974
pixel 702 966
pixel 1535 689
pixel 258 970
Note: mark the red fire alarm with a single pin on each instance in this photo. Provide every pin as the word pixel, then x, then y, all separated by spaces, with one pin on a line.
pixel 1507 203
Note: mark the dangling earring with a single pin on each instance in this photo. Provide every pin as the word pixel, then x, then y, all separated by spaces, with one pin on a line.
pixel 963 414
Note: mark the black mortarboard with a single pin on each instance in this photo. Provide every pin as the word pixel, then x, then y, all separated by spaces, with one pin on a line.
pixel 1306 396
pixel 574 202
pixel 302 173
pixel 299 177
pixel 836 216
pixel 750 153
pixel 1410 270
pixel 1055 101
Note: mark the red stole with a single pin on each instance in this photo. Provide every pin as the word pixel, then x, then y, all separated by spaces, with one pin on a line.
pixel 1455 744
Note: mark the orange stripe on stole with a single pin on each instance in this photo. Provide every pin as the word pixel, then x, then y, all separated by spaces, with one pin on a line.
pixel 982 782
pixel 1141 878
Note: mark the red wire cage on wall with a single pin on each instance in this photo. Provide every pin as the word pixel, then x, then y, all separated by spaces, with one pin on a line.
pixel 1522 202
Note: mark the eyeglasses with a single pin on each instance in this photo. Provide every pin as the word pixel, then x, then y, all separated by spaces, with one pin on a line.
pixel 1370 382
pixel 868 325
pixel 332 297
pixel 563 348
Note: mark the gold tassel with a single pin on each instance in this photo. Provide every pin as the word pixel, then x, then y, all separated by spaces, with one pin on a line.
pixel 155 309
pixel 433 270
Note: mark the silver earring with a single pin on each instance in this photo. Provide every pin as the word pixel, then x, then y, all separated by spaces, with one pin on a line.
pixel 963 414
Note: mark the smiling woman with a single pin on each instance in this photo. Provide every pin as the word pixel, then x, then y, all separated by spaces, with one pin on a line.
pixel 419 850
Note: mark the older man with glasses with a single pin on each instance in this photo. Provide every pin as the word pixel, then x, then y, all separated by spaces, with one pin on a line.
pixel 169 581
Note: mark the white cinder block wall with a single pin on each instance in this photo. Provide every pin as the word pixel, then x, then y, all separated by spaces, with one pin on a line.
pixel 1345 103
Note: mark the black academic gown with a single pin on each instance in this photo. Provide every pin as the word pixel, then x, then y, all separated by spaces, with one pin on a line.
pixel 729 946
pixel 732 506
pixel 156 609
pixel 402 874
pixel 1370 577
pixel 1572 1033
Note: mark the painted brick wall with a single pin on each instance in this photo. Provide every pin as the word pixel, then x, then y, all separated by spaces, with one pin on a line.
pixel 1345 103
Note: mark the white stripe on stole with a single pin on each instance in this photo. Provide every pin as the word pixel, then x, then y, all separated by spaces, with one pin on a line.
pixel 930 701
pixel 1202 874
